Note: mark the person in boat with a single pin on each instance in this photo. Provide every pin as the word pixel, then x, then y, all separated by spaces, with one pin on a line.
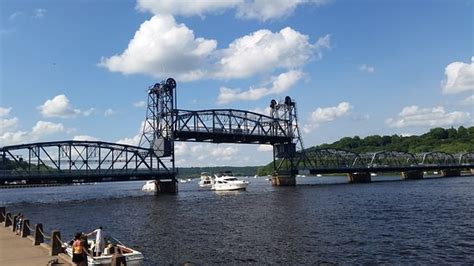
pixel 78 254
pixel 99 240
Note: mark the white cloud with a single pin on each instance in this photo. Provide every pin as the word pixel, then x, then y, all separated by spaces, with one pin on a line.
pixel 162 48
pixel 39 13
pixel 280 84
pixel 12 138
pixel 8 124
pixel 59 106
pixel 427 117
pixel 459 77
pixel 85 137
pixel 109 112
pixel 265 111
pixel 185 8
pixel 468 101
pixel 327 114
pixel 4 111
pixel 271 9
pixel 265 148
pixel 367 68
pixel 134 141
pixel 39 131
pixel 15 15
pixel 264 51
pixel 246 9
pixel 140 104
pixel 43 128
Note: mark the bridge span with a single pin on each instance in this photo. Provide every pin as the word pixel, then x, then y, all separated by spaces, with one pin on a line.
pixel 154 158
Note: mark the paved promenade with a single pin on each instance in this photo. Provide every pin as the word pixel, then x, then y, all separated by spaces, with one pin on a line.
pixel 15 250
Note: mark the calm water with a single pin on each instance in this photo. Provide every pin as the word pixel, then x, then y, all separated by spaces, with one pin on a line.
pixel 320 220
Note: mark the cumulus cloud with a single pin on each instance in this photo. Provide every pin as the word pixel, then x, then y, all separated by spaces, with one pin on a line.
pixel 4 111
pixel 327 114
pixel 85 137
pixel 427 117
pixel 161 47
pixel 139 104
pixel 265 148
pixel 265 51
pixel 15 15
pixel 46 128
pixel 280 84
pixel 265 111
pixel 468 101
pixel 59 106
pixel 39 13
pixel 109 112
pixel 367 68
pixel 39 131
pixel 246 9
pixel 8 124
pixel 459 77
pixel 185 8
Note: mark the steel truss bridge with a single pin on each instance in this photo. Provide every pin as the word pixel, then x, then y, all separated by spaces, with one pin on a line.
pixel 154 157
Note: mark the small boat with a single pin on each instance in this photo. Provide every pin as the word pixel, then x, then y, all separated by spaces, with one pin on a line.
pixel 319 175
pixel 373 174
pixel 132 257
pixel 206 180
pixel 150 186
pixel 227 181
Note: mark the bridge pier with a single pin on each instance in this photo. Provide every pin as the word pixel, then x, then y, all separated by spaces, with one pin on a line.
pixel 450 172
pixel 167 186
pixel 412 175
pixel 472 171
pixel 359 177
pixel 284 179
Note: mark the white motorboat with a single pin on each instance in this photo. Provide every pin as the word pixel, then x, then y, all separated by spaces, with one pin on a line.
pixel 206 180
pixel 132 257
pixel 150 186
pixel 226 181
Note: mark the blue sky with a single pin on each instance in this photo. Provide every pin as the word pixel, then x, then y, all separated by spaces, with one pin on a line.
pixel 80 69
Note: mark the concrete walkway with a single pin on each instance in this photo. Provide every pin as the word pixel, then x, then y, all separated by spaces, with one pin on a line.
pixel 15 250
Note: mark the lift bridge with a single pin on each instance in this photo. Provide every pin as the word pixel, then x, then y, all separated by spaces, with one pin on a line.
pixel 154 158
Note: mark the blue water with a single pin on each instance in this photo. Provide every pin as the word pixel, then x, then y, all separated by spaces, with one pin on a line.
pixel 322 219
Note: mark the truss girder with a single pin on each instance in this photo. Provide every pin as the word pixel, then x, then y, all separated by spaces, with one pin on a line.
pixel 84 158
pixel 438 158
pixel 330 158
pixel 229 126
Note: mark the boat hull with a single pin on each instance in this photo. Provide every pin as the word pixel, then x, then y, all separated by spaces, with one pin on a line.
pixel 229 187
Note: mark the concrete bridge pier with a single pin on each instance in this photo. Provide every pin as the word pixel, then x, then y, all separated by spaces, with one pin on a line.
pixel 284 179
pixel 472 171
pixel 450 172
pixel 412 175
pixel 359 177
pixel 167 186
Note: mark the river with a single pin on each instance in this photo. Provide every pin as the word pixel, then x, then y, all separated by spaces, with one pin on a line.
pixel 321 220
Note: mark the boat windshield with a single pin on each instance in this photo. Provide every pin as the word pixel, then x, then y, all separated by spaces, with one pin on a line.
pixel 231 179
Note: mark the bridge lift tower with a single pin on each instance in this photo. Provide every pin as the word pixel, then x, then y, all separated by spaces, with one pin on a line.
pixel 157 134
pixel 287 156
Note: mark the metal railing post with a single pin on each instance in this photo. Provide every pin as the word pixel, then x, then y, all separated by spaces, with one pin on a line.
pixel 25 228
pixel 8 219
pixel 55 243
pixel 2 214
pixel 15 221
pixel 39 238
